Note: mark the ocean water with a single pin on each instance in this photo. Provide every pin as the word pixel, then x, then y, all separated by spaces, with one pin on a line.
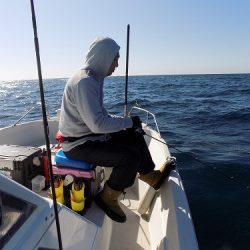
pixel 205 119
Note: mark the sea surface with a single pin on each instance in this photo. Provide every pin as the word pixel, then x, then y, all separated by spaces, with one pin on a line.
pixel 205 119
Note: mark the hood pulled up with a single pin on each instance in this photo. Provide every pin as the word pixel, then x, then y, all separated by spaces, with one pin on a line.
pixel 101 54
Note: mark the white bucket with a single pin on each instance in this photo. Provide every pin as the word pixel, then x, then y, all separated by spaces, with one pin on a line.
pixel 38 183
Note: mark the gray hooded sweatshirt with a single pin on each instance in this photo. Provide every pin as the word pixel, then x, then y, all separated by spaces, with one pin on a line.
pixel 82 110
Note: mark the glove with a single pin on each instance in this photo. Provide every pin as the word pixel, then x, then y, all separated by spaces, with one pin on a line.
pixel 137 124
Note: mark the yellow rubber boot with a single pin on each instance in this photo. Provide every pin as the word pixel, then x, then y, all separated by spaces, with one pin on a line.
pixel 107 200
pixel 58 183
pixel 77 197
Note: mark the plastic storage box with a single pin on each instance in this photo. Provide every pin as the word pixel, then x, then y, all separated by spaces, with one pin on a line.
pixel 21 163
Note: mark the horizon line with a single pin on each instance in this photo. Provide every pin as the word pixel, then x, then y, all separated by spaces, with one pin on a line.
pixel 134 75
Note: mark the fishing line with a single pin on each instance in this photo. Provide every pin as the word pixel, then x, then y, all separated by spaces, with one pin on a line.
pixel 169 145
pixel 202 163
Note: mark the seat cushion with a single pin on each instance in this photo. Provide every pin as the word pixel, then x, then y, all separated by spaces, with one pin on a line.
pixel 62 160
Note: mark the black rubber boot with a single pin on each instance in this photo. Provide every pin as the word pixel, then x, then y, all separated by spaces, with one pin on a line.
pixel 107 200
pixel 155 178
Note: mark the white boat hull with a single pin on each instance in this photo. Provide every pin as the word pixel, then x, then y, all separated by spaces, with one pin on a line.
pixel 166 223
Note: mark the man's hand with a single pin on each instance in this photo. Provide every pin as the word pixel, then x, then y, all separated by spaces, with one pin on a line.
pixel 137 124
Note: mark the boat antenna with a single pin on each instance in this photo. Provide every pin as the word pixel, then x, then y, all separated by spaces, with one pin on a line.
pixel 126 78
pixel 45 122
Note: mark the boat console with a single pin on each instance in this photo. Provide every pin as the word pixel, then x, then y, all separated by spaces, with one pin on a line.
pixel 28 222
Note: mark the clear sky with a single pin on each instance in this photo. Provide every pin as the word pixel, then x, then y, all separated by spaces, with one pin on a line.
pixel 167 36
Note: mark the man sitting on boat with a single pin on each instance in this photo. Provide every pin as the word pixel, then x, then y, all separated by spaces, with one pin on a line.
pixel 93 135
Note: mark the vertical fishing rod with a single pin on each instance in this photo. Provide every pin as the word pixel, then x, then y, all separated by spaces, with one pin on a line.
pixel 126 79
pixel 45 123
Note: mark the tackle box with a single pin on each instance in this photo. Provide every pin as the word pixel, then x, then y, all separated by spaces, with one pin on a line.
pixel 21 163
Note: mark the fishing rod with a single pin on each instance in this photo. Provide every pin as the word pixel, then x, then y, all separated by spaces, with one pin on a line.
pixel 126 78
pixel 170 146
pixel 201 162
pixel 45 123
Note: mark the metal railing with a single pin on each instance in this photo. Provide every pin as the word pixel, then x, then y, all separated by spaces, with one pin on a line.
pixel 147 117
pixel 38 104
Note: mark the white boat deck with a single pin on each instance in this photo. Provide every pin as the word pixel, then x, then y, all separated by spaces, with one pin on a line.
pixel 134 234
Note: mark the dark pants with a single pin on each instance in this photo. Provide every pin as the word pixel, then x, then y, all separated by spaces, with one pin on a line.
pixel 126 152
